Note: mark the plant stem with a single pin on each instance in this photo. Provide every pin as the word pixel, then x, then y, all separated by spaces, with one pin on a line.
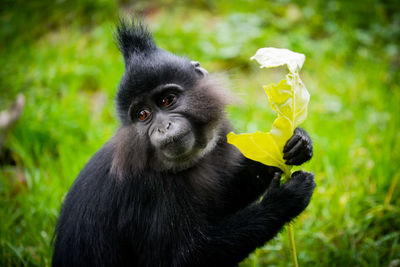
pixel 292 245
pixel 288 175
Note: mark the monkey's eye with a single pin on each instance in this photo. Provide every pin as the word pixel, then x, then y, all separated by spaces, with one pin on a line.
pixel 166 100
pixel 143 114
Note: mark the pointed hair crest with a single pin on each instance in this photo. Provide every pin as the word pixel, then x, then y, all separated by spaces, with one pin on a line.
pixel 134 38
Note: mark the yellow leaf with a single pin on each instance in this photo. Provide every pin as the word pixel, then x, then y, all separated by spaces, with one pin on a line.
pixel 289 98
pixel 260 147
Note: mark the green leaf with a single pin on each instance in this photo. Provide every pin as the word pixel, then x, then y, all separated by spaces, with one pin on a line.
pixel 289 98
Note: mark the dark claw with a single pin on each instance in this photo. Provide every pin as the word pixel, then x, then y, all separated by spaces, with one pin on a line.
pixel 298 149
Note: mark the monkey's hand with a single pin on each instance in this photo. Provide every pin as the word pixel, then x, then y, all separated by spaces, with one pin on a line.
pixel 292 197
pixel 250 227
pixel 298 148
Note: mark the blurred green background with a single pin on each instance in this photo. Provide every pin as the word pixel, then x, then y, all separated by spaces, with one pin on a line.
pixel 62 57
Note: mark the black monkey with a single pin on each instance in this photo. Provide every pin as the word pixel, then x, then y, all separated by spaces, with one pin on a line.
pixel 167 189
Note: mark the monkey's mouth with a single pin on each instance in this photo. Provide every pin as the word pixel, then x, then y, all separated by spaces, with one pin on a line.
pixel 179 147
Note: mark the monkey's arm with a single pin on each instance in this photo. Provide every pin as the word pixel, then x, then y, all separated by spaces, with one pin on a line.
pixel 84 216
pixel 248 184
pixel 230 240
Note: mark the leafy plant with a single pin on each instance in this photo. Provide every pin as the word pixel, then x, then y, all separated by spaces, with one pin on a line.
pixel 289 98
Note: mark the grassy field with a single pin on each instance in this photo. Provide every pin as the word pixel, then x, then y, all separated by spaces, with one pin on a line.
pixel 63 58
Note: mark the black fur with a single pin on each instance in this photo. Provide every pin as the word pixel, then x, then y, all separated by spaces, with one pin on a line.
pixel 129 207
pixel 134 39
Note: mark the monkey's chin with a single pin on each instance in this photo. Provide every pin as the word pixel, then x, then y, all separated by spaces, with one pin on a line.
pixel 176 163
pixel 180 155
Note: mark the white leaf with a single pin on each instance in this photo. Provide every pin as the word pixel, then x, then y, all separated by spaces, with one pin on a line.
pixel 270 57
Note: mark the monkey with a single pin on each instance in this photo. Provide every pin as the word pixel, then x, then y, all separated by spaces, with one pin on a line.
pixel 167 189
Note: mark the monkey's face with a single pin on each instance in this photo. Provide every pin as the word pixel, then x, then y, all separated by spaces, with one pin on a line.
pixel 169 107
pixel 178 121
pixel 160 118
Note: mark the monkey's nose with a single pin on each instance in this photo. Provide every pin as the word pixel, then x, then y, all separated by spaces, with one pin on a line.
pixel 164 128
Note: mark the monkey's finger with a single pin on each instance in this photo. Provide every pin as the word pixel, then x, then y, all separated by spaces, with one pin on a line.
pixel 299 159
pixel 292 142
pixel 276 181
pixel 278 175
pixel 296 149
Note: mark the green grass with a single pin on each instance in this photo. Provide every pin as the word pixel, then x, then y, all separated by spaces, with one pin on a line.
pixel 68 68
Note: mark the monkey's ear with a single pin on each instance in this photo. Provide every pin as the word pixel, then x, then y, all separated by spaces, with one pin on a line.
pixel 134 38
pixel 201 71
